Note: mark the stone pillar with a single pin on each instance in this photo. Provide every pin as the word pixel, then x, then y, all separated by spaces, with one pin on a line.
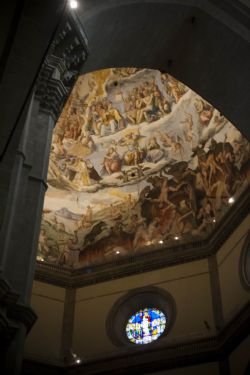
pixel 22 217
pixel 20 230
pixel 216 293
pixel 224 367
pixel 68 356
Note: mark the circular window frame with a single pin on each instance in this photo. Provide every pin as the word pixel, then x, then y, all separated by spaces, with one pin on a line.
pixel 132 302
pixel 242 269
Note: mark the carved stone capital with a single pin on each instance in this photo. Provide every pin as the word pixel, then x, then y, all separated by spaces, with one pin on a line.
pixel 65 57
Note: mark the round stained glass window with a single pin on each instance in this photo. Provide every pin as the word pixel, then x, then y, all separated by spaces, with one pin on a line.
pixel 146 325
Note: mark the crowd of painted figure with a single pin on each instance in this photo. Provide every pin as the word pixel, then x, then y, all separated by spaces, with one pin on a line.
pixel 177 202
pixel 100 117
pixel 186 205
pixel 145 103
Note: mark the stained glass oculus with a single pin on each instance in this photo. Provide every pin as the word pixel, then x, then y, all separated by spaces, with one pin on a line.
pixel 146 325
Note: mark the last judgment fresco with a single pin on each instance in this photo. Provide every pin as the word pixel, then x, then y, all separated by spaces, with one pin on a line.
pixel 138 161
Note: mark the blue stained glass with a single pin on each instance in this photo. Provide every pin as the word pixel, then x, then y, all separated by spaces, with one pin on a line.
pixel 146 326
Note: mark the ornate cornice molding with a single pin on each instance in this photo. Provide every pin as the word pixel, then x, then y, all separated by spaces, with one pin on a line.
pixel 61 67
pixel 164 257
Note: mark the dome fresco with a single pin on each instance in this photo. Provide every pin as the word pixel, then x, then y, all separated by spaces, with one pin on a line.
pixel 138 161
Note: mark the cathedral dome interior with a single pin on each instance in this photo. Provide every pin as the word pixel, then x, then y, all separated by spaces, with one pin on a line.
pixel 139 165
pixel 124 187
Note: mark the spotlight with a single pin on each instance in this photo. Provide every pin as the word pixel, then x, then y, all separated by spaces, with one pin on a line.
pixel 78 360
pixel 231 200
pixel 73 4
pixel 117 252
pixel 214 220
pixel 161 242
pixel 176 238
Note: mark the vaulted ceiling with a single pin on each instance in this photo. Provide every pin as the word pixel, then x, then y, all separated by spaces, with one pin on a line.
pixel 139 163
pixel 205 44
pixel 134 34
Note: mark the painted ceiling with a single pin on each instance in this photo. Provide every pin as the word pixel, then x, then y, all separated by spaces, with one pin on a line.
pixel 138 161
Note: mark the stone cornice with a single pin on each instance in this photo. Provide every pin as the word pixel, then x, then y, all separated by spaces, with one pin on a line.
pixel 156 259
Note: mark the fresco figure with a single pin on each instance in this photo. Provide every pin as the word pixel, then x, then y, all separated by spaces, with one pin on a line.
pixel 140 231
pixel 112 161
pixel 204 110
pixel 173 87
pixel 93 174
pixel 145 108
pixel 94 120
pixel 82 175
pixel 154 151
pixel 131 111
pixel 84 147
pixel 43 248
pixel 89 214
pixel 116 119
pixel 135 154
pixel 70 255
pixel 59 132
pixel 188 128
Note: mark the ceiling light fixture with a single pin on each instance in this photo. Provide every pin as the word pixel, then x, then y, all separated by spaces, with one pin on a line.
pixel 161 242
pixel 117 252
pixel 73 4
pixel 231 200
pixel 176 238
pixel 78 360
